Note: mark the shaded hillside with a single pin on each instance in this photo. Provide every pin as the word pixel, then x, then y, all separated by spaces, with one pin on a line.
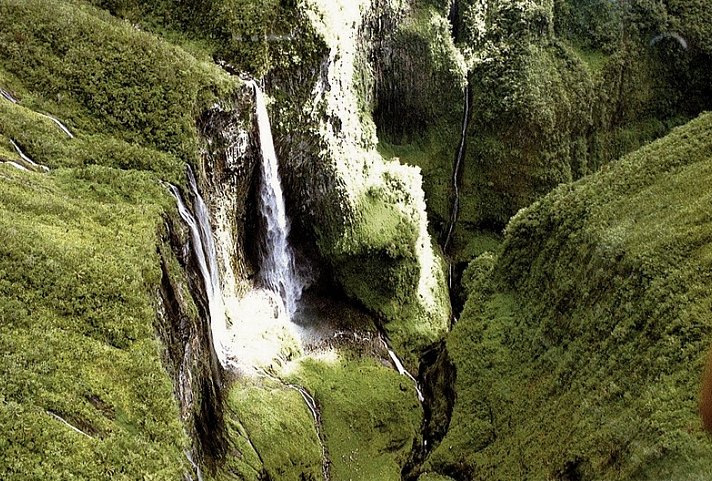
pixel 580 350
pixel 557 89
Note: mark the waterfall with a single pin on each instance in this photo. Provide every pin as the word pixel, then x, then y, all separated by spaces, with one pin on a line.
pixel 277 271
pixel 400 368
pixel 59 124
pixel 204 249
pixel 457 173
pixel 7 96
pixel 16 165
pixel 27 160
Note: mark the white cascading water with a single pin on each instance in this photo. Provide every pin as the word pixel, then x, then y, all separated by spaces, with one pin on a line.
pixel 278 268
pixel 59 124
pixel 32 164
pixel 204 249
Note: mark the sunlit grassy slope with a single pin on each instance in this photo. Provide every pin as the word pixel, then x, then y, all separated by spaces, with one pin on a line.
pixel 77 266
pixel 132 96
pixel 79 270
pixel 580 350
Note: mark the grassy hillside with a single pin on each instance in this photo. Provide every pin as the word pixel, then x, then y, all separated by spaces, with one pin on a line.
pixel 115 84
pixel 580 350
pixel 77 266
pixel 79 272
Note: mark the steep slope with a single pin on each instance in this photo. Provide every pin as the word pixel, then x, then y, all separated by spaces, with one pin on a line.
pixel 556 89
pixel 581 347
pixel 81 278
pixel 77 262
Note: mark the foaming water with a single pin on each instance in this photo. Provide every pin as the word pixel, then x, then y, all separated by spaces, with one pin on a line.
pixel 204 250
pixel 278 270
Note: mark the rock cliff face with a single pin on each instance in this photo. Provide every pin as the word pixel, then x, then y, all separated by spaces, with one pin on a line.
pixel 184 329
pixel 227 175
pixel 550 102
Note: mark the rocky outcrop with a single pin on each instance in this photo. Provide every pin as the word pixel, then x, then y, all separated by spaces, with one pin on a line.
pixel 365 214
pixel 228 177
pixel 184 328
pixel 549 103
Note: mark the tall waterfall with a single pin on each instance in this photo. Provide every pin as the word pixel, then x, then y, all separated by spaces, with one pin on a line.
pixel 278 268
pixel 457 174
pixel 204 249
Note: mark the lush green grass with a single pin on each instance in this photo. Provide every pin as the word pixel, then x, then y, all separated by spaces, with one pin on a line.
pixel 78 267
pixel 241 459
pixel 370 415
pixel 276 419
pixel 591 329
pixel 79 271
pixel 369 419
pixel 45 143
pixel 470 243
pixel 253 36
pixel 101 75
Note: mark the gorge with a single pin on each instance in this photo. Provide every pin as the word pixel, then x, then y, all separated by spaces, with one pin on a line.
pixel 235 236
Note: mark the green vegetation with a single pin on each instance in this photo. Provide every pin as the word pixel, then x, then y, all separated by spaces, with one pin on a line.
pixel 434 157
pixel 433 477
pixel 45 143
pixel 420 102
pixel 579 350
pixel 370 415
pixel 559 89
pixel 254 36
pixel 386 262
pixel 79 271
pixel 591 328
pixel 77 266
pixel 102 76
pixel 277 421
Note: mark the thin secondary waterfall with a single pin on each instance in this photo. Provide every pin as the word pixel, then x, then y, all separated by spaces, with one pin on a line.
pixel 316 415
pixel 457 173
pixel 401 369
pixel 59 124
pixel 7 96
pixel 278 268
pixel 204 249
pixel 33 165
pixel 17 166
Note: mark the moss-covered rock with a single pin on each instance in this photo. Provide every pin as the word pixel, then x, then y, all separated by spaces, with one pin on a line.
pixel 365 214
pixel 558 90
pixel 369 413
